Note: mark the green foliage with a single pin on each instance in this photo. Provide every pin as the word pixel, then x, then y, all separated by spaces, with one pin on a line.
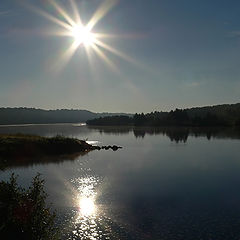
pixel 24 214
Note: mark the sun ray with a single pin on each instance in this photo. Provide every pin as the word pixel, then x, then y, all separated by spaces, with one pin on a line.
pixel 76 13
pixel 106 35
pixel 127 36
pixel 49 17
pixel 115 51
pixel 101 12
pixel 70 51
pixel 55 32
pixel 89 57
pixel 102 55
pixel 67 55
pixel 90 52
pixel 63 13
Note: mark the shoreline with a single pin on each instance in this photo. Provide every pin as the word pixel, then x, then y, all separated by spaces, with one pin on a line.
pixel 42 124
pixel 17 148
pixel 23 146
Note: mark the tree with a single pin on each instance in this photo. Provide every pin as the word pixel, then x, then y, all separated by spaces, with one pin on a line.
pixel 24 214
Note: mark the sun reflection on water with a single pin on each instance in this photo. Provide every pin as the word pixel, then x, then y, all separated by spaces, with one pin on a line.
pixel 86 218
pixel 91 220
pixel 87 206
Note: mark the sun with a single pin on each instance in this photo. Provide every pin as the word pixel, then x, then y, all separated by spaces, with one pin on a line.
pixel 83 35
pixel 71 25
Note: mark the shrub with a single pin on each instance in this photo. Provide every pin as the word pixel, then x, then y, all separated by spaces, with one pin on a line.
pixel 24 214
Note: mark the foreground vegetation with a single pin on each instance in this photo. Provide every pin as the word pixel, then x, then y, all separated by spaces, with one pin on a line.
pixel 24 214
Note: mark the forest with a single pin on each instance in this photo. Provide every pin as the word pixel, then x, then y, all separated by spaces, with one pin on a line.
pixel 219 115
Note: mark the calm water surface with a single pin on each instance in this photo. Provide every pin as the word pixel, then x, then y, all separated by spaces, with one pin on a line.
pixel 164 184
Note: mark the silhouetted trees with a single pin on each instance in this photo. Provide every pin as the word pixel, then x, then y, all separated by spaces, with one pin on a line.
pixel 237 123
pixel 24 212
pixel 139 119
pixel 111 121
pixel 178 117
pixel 221 115
pixel 209 120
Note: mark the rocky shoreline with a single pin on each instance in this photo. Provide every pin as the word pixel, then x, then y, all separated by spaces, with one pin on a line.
pixel 114 147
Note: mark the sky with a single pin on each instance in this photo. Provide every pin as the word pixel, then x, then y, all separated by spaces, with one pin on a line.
pixel 170 54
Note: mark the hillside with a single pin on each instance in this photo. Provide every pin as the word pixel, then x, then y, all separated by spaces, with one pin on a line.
pixel 41 116
pixel 230 112
pixel 219 115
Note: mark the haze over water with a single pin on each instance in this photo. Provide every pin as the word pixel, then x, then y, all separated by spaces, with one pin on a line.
pixel 164 183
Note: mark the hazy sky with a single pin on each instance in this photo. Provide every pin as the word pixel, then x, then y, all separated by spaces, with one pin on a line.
pixel 183 53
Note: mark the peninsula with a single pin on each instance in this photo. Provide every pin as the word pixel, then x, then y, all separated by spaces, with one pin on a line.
pixel 21 145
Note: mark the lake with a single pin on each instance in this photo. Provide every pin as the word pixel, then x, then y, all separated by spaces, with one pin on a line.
pixel 165 183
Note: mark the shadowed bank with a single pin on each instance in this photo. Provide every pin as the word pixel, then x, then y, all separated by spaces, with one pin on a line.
pixel 21 149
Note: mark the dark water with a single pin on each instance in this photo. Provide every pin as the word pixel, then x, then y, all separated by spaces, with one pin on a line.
pixel 164 184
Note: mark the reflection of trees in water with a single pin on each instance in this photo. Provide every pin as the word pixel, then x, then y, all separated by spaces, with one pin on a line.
pixel 111 130
pixel 176 134
pixel 139 133
pixel 31 161
pixel 210 133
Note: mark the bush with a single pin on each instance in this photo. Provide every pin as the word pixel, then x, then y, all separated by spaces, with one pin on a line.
pixel 24 214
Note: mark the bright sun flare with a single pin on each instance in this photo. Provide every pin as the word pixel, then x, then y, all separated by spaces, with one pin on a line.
pixel 72 26
pixel 87 206
pixel 83 35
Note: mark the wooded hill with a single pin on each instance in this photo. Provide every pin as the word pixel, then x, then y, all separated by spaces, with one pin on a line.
pixel 40 116
pixel 219 115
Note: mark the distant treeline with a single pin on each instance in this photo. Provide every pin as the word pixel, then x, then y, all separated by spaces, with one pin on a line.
pixel 220 115
pixel 40 116
pixel 112 121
